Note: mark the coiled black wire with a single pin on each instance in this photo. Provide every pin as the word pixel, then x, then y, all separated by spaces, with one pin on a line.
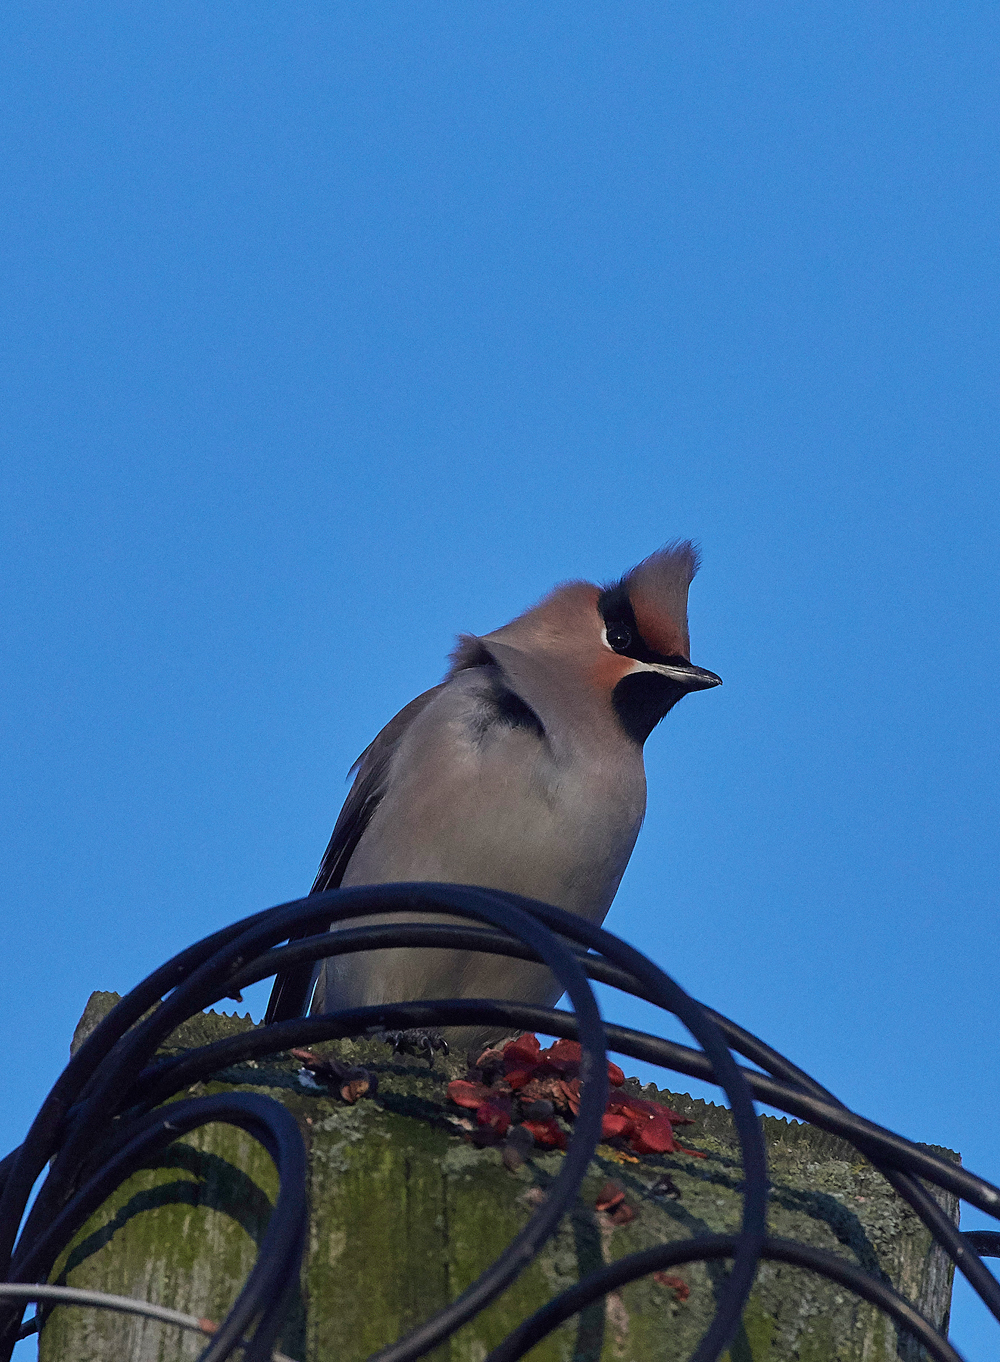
pixel 103 1115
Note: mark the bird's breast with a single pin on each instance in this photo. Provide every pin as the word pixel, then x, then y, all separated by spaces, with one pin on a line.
pixel 504 806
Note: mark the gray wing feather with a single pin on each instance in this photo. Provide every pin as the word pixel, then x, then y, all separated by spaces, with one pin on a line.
pixel 372 769
pixel 292 987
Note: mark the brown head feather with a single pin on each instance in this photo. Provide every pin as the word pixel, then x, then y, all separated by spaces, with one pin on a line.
pixel 658 591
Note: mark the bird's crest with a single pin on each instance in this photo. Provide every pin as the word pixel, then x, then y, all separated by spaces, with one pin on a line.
pixel 658 592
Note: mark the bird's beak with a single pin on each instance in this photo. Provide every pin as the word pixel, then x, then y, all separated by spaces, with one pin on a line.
pixel 685 674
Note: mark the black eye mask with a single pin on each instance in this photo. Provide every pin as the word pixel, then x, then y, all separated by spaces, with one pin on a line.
pixel 621 629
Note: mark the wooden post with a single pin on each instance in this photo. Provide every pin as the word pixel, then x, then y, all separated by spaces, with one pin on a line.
pixel 406 1213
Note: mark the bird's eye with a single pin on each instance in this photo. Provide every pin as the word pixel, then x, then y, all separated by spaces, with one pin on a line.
pixel 619 637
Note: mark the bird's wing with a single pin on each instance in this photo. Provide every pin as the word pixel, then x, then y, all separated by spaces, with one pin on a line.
pixel 290 993
pixel 372 769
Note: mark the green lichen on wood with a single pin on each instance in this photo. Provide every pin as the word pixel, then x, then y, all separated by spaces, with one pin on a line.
pixel 405 1214
pixel 209 1197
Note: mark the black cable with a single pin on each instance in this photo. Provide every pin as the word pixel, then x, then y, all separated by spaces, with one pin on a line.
pixel 202 987
pixel 281 1247
pixel 790 1093
pixel 99 1108
pixel 99 1080
pixel 946 1234
pixel 666 993
pixel 985 1242
pixel 503 912
pixel 28 1160
pixel 705 1249
pixel 170 1075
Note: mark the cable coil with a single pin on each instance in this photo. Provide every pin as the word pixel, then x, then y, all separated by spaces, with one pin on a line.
pixel 104 1117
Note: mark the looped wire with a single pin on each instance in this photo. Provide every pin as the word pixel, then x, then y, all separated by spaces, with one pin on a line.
pixel 104 1116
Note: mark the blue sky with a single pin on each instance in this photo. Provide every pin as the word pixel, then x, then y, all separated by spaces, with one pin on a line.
pixel 332 330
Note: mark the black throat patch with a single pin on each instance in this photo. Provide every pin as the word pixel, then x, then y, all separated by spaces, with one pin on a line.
pixel 642 699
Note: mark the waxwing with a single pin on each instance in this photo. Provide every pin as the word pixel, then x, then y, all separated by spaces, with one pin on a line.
pixel 521 771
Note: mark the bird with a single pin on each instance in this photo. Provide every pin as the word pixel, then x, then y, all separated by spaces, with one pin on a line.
pixel 521 771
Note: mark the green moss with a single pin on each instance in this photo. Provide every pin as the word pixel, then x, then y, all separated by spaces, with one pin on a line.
pixel 406 1214
pixel 209 1198
pixel 755 1338
pixel 818 1343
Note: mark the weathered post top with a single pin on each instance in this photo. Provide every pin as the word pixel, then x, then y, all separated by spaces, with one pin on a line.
pixel 406 1211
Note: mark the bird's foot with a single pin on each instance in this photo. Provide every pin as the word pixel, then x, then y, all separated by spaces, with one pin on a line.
pixel 416 1041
